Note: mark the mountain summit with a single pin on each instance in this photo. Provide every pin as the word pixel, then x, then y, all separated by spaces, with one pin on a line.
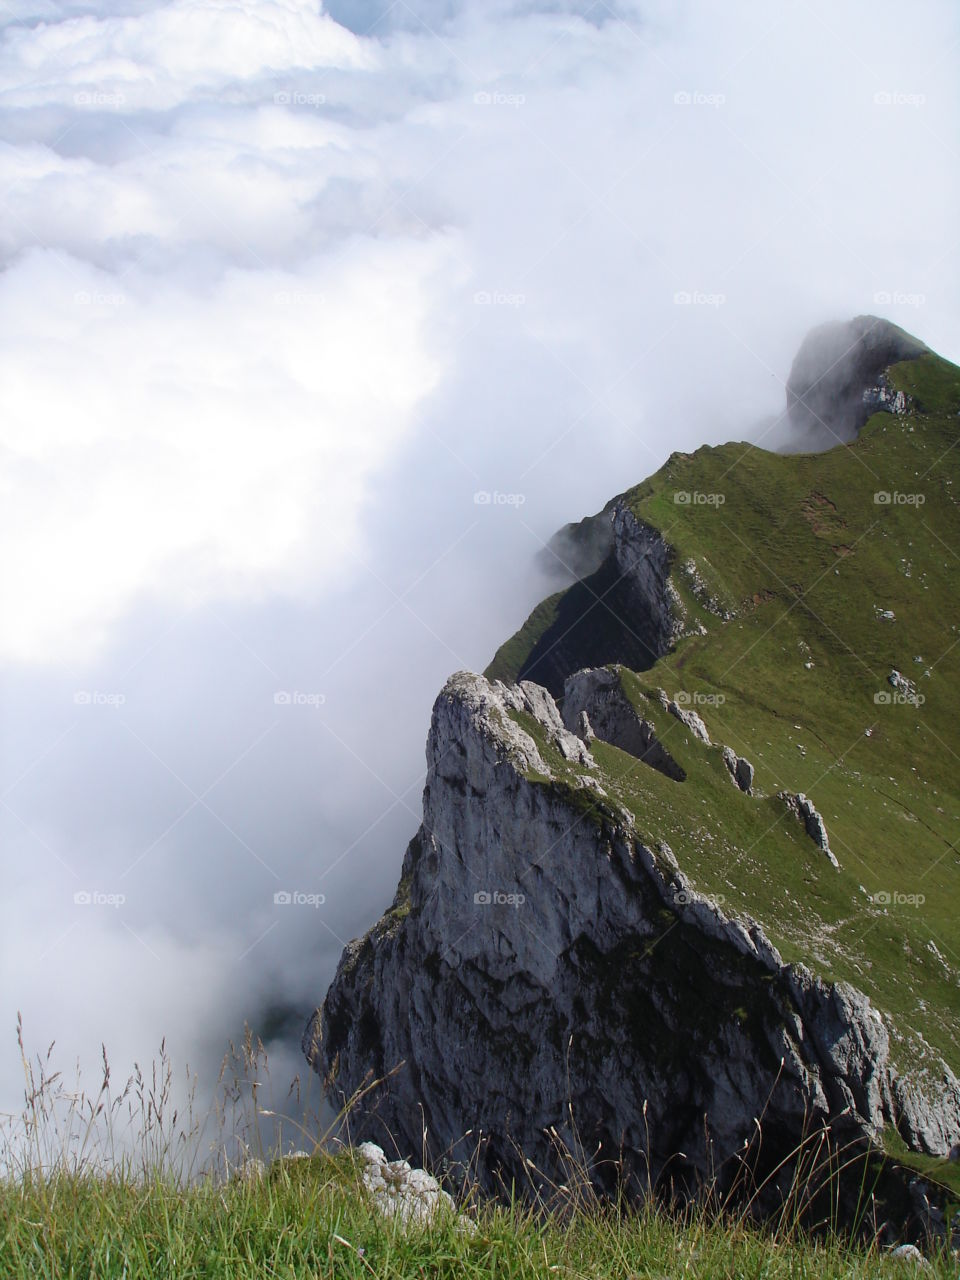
pixel 684 899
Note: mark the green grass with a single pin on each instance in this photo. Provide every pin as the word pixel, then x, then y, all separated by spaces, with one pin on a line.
pixel 119 1186
pixel 944 1173
pixel 804 559
pixel 509 657
pixel 312 1218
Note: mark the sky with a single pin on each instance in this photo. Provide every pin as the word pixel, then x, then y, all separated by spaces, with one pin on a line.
pixel 315 323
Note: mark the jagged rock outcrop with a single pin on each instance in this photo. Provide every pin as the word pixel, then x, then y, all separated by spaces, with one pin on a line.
pixel 884 398
pixel 542 967
pixel 740 769
pixel 812 821
pixel 904 687
pixel 598 694
pixel 690 718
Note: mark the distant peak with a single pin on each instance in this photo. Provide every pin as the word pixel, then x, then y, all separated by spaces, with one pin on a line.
pixel 837 365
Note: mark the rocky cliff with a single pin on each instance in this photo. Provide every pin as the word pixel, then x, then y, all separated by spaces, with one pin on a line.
pixel 617 934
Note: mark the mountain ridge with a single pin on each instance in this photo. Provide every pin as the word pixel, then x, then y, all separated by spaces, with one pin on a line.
pixel 769 588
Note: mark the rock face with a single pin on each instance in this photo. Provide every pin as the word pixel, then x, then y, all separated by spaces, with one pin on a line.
pixel 836 380
pixel 541 967
pixel 598 694
pixel 632 582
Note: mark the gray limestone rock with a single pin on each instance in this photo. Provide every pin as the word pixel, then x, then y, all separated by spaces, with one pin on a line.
pixel 812 821
pixel 740 769
pixel 598 694
pixel 411 1196
pixel 691 719
pixel 542 967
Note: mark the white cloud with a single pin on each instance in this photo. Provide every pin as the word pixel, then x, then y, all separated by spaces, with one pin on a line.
pixel 162 56
pixel 180 440
pixel 277 299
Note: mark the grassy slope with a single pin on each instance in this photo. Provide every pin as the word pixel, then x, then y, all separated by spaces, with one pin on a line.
pixel 311 1218
pixel 806 558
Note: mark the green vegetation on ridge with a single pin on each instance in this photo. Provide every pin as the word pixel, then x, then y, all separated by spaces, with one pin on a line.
pixel 813 577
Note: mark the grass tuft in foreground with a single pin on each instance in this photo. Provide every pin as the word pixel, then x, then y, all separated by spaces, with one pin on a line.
pixel 316 1221
pixel 127 1187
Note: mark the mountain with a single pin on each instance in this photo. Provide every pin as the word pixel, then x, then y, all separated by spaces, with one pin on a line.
pixel 686 890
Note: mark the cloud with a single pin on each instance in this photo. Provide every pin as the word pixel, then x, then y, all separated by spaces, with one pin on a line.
pixel 282 290
pixel 188 437
pixel 162 56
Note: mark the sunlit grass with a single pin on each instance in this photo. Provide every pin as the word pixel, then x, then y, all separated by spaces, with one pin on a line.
pixel 119 1186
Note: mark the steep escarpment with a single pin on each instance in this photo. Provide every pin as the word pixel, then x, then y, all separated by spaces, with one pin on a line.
pixel 625 611
pixel 694 882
